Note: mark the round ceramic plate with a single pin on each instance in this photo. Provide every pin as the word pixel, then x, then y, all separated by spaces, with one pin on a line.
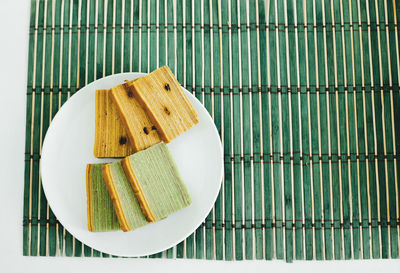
pixel 68 147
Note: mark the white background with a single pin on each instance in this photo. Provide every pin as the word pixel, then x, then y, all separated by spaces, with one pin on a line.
pixel 14 27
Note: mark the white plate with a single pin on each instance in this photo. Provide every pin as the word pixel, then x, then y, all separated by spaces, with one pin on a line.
pixel 68 147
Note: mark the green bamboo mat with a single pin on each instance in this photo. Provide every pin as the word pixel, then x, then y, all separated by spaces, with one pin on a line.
pixel 305 95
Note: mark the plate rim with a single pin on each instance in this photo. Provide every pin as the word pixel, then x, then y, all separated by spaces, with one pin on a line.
pixel 49 132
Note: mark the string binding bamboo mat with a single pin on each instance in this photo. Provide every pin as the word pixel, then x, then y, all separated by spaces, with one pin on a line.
pixel 305 95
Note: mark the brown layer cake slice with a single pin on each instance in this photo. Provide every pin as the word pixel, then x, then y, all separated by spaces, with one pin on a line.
pixel 127 208
pixel 141 131
pixel 168 108
pixel 111 138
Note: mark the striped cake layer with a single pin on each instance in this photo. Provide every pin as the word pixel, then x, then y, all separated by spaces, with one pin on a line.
pixel 111 138
pixel 141 131
pixel 164 102
pixel 100 210
pixel 156 181
pixel 127 208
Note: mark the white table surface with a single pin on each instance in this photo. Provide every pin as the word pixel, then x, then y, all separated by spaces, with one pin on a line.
pixel 14 26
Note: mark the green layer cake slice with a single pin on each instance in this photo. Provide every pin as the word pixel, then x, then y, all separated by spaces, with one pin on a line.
pixel 126 206
pixel 156 182
pixel 100 211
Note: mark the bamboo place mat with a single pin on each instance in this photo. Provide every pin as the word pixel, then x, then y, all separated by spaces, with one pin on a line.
pixel 305 96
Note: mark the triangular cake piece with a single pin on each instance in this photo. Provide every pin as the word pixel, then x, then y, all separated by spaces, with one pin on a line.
pixel 100 210
pixel 156 182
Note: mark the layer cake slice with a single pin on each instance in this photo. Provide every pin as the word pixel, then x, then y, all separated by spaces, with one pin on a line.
pixel 126 206
pixel 100 210
pixel 141 131
pixel 156 182
pixel 162 97
pixel 111 138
